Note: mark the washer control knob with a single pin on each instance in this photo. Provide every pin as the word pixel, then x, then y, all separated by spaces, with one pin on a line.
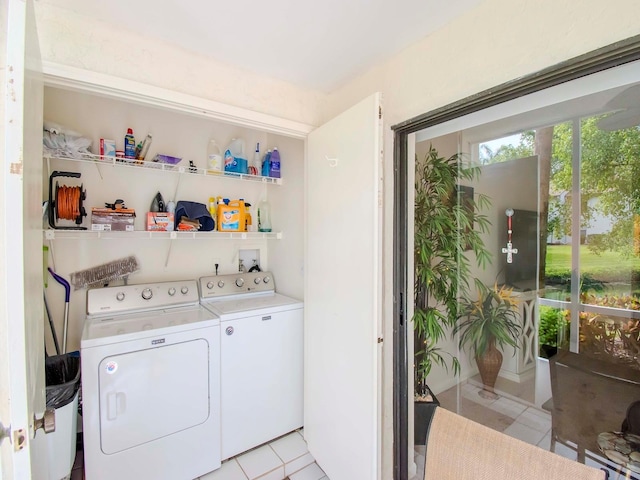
pixel 266 279
pixel 209 285
pixel 120 296
pixel 221 283
pixel 184 290
pixel 147 294
pixel 257 280
pixel 172 292
pixel 239 282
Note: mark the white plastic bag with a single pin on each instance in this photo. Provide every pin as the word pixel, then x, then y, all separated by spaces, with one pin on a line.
pixel 59 141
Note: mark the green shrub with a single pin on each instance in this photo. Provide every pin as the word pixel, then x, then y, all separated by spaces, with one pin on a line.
pixel 552 321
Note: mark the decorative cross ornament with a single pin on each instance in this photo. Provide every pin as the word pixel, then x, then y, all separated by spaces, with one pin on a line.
pixel 509 250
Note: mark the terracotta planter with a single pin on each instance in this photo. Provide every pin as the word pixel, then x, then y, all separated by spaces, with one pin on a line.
pixel 489 365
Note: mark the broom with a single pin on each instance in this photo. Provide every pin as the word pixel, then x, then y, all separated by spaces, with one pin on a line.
pixel 105 273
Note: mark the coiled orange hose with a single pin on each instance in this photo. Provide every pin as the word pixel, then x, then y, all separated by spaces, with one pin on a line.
pixel 68 202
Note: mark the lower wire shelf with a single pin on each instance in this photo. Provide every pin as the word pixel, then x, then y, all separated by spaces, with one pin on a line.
pixel 53 234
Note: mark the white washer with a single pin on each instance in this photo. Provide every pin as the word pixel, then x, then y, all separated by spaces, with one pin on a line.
pixel 261 367
pixel 150 383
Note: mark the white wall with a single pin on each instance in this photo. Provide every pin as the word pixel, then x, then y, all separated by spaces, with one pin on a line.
pixel 91 44
pixel 497 41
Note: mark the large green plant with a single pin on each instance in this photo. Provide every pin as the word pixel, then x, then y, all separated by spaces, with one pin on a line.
pixel 489 318
pixel 446 225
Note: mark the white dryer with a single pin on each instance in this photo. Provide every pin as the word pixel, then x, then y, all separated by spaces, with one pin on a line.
pixel 150 358
pixel 261 367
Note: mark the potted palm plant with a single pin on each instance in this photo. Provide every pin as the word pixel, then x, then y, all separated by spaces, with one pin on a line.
pixel 448 223
pixel 486 322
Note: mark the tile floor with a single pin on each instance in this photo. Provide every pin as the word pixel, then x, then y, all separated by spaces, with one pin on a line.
pixel 284 458
pixel 517 419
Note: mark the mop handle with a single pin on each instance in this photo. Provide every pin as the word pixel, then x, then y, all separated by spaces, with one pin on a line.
pixel 67 295
pixel 65 327
pixel 63 282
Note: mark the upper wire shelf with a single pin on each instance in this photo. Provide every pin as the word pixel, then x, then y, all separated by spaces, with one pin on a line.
pixel 164 167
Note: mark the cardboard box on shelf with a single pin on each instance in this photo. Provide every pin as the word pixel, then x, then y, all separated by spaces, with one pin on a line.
pixel 106 219
pixel 107 148
pixel 160 222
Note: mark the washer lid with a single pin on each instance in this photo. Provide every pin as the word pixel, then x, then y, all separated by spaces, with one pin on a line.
pixel 101 330
pixel 244 306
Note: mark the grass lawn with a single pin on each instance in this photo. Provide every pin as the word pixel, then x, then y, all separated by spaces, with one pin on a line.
pixel 559 260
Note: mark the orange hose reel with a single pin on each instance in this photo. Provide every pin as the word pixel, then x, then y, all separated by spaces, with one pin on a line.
pixel 66 203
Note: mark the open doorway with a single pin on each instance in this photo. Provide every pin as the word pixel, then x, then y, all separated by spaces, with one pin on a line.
pixel 558 162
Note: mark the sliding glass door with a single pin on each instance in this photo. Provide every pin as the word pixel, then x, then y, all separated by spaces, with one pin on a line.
pixel 557 192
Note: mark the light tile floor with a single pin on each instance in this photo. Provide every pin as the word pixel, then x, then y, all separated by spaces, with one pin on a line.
pixel 285 457
pixel 518 420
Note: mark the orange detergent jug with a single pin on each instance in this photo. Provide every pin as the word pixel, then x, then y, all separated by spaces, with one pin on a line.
pixel 231 216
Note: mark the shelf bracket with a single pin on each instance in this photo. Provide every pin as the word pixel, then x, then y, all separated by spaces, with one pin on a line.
pixel 166 262
pixel 175 193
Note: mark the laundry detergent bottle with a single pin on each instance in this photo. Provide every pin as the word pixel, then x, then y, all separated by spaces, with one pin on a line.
pixel 274 167
pixel 234 159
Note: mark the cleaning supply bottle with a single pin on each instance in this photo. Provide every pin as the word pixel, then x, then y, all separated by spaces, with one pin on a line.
pixel 266 164
pixel 264 216
pixel 212 206
pixel 256 166
pixel 231 216
pixel 214 158
pixel 141 153
pixel 129 145
pixel 248 220
pixel 234 159
pixel 274 168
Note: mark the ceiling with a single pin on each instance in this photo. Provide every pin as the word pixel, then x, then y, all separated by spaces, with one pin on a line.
pixel 319 45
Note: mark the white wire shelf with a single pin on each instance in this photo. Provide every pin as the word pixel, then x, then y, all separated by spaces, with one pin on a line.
pixel 50 234
pixel 164 167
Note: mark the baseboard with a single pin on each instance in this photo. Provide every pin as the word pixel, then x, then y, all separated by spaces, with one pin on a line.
pixel 518 378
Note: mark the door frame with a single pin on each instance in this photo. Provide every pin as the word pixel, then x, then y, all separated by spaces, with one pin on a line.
pixel 610 56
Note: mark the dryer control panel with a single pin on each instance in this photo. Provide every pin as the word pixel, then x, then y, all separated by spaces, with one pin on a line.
pixel 146 296
pixel 216 286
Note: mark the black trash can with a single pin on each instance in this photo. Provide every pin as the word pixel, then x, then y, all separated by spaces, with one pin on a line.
pixel 62 379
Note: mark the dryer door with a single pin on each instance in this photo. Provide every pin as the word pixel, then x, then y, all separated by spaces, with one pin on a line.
pixel 149 394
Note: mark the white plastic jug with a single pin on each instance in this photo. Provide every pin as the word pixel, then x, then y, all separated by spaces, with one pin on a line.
pixel 236 147
pixel 214 157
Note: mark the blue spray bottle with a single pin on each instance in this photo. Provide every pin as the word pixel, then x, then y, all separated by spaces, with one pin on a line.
pixel 266 164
